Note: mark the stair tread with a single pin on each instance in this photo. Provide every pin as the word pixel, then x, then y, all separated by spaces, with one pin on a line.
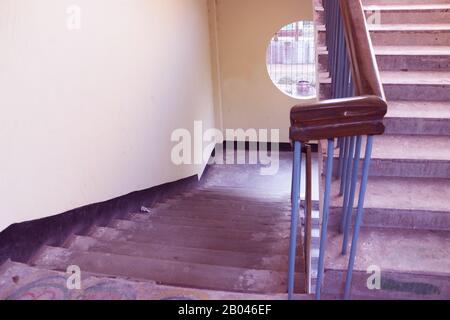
pixel 192 241
pixel 415 251
pixel 122 289
pixel 166 272
pixel 419 109
pixel 414 194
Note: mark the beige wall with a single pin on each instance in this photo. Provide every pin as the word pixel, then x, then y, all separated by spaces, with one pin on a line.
pixel 87 115
pixel 245 27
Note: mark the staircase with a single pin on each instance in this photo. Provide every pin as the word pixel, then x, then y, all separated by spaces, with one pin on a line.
pixel 228 238
pixel 406 226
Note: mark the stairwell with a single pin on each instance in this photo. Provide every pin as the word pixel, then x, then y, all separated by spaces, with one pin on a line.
pixel 226 239
pixel 229 237
pixel 406 227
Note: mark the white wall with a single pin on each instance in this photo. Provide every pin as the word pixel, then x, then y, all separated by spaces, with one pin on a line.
pixel 87 115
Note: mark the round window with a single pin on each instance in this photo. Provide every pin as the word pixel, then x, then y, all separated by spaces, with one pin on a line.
pixel 291 60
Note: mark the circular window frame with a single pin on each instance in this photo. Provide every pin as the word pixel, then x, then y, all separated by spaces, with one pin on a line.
pixel 292 78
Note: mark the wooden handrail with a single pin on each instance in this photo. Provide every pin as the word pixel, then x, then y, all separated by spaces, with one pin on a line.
pixel 338 118
pixel 362 115
pixel 366 76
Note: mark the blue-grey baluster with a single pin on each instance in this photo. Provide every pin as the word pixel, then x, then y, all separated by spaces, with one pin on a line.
pixel 349 211
pixel 347 179
pixel 326 211
pixel 344 165
pixel 341 158
pixel 296 178
pixel 342 54
pixel 359 216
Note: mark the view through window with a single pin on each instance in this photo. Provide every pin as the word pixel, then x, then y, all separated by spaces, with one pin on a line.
pixel 291 60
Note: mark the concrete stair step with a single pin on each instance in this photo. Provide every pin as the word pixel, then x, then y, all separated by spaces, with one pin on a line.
pixel 416 85
pixel 211 223
pixel 43 284
pixel 233 206
pixel 409 203
pixel 213 213
pixel 183 254
pixel 414 264
pixel 214 210
pixel 247 193
pixel 157 229
pixel 193 241
pixel 409 85
pixel 166 272
pixel 418 118
pixel 404 58
pixel 403 2
pixel 404 34
pixel 410 34
pixel 431 13
pixel 408 156
pixel 424 13
pixel 233 200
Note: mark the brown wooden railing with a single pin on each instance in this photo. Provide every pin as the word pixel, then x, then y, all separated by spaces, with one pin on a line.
pixel 357 108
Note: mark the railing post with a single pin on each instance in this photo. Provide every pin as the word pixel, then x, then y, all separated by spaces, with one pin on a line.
pixel 326 211
pixel 359 216
pixel 296 180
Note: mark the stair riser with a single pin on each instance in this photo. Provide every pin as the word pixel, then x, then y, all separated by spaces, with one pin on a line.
pixel 417 126
pixel 410 17
pixel 402 63
pixel 394 218
pixel 417 92
pixel 403 38
pixel 404 168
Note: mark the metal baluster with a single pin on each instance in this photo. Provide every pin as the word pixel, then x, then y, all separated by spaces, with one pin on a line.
pixel 348 213
pixel 296 179
pixel 359 216
pixel 326 211
pixel 344 165
pixel 346 179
